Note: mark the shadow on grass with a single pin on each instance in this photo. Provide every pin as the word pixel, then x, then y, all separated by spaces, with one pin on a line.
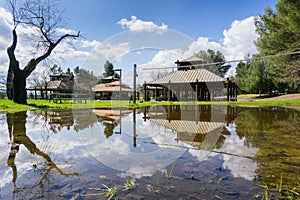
pixel 38 106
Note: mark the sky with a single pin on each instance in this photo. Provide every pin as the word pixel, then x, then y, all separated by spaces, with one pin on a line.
pixel 151 34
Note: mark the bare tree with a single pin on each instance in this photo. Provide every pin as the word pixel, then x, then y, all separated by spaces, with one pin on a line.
pixel 45 17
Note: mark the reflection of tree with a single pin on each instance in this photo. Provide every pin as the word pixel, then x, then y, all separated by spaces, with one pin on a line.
pixel 17 133
pixel 109 128
pixel 276 132
pixel 83 118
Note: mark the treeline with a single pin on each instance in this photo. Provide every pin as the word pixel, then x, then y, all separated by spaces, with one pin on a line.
pixel 279 35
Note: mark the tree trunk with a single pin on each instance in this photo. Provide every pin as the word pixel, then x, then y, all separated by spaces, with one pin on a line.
pixel 19 87
pixel 16 78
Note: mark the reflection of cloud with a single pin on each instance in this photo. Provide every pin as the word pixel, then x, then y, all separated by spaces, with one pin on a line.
pixel 239 166
pixel 137 25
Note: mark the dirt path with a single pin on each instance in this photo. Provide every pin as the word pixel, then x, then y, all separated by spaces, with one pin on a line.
pixel 277 98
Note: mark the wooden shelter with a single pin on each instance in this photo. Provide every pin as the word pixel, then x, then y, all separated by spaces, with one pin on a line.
pixel 59 83
pixel 113 91
pixel 191 82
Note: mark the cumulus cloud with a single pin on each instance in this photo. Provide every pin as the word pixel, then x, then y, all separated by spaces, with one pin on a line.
pixel 238 41
pixel 27 46
pixel 137 25
pixel 164 59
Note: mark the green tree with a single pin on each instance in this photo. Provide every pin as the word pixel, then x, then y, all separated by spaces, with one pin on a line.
pixel 108 69
pixel 85 79
pixel 279 33
pixel 242 72
pixel 211 56
pixel 252 76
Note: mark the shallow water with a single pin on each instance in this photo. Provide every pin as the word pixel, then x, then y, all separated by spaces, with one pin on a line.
pixel 168 152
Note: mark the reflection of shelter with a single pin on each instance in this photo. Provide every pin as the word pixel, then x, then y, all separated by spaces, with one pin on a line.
pixel 110 118
pixel 199 125
pixel 59 83
pixel 61 118
pixel 80 119
pixel 191 82
pixel 112 90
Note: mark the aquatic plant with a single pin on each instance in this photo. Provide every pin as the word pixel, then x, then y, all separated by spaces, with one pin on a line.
pixel 128 185
pixel 169 174
pixel 283 193
pixel 151 189
pixel 111 191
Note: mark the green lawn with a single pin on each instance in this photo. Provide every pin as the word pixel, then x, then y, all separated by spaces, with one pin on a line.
pixel 9 106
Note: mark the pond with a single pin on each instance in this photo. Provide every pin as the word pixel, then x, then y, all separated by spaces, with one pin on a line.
pixel 156 152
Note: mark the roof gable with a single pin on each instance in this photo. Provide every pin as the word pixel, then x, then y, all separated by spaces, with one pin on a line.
pixel 189 76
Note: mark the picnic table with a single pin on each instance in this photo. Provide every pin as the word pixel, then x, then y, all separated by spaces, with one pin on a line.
pixel 76 97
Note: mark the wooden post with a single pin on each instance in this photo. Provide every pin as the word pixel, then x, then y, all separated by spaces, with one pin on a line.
pixel 227 89
pixel 134 127
pixel 169 91
pixel 145 92
pixel 196 88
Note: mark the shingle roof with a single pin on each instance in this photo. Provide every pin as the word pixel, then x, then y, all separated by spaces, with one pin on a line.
pixel 111 87
pixel 189 76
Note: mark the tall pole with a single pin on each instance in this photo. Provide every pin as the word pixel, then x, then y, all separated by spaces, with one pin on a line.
pixel 134 83
pixel 120 81
pixel 134 127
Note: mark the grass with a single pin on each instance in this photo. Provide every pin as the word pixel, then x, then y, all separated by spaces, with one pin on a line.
pixel 169 174
pixel 9 106
pixel 128 185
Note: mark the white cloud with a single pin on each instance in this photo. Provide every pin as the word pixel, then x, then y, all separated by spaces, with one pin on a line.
pixel 202 43
pixel 163 59
pixel 238 41
pixel 137 25
pixel 113 52
pixel 65 31
pixel 27 47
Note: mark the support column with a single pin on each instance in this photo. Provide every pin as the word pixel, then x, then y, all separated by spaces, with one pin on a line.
pixel 196 88
pixel 145 92
pixel 227 89
pixel 169 91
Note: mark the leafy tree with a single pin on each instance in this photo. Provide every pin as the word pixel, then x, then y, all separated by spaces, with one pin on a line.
pixel 55 69
pixel 211 56
pixel 242 71
pixel 45 18
pixel 279 33
pixel 85 79
pixel 108 69
pixel 76 70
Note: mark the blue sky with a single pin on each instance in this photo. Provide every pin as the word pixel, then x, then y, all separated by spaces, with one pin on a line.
pixel 151 34
pixel 206 18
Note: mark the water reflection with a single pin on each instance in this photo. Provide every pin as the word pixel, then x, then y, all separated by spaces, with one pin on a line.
pixel 16 123
pixel 223 149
